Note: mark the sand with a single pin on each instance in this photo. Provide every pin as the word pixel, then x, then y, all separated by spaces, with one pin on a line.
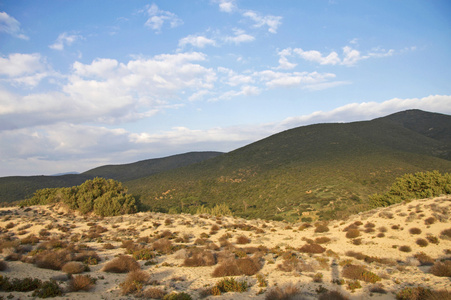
pixel 390 228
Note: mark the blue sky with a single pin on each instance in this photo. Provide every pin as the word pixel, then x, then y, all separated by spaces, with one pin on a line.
pixel 88 83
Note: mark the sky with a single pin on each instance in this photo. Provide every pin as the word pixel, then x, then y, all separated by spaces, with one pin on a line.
pixel 88 83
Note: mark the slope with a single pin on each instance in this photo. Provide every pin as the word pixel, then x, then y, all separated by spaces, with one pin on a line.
pixel 15 188
pixel 325 170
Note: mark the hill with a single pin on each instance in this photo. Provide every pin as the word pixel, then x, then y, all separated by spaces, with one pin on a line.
pixel 325 170
pixel 15 188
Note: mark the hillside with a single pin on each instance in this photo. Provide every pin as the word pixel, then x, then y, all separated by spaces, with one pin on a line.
pixel 325 170
pixel 15 188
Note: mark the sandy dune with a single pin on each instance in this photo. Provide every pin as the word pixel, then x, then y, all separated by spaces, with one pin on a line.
pixel 273 246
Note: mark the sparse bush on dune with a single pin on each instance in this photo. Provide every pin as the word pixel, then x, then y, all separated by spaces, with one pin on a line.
pixel 228 285
pixel 405 248
pixel 81 283
pixel 53 260
pixel 412 293
pixel 234 267
pixel 73 267
pixel 3 265
pixel 288 291
pixel 134 282
pixel 424 259
pixel 199 257
pixel 357 272
pixel 322 240
pixel 121 264
pixel 177 296
pixel 422 242
pixel 163 246
pixel 352 233
pixel 242 240
pixel 332 295
pixel 441 269
pixel 321 228
pixel 312 248
pixel 154 293
pixel 446 234
pixel 415 230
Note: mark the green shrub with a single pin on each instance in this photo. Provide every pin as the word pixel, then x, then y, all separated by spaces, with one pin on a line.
pixel 359 273
pixel 48 289
pixel 412 293
pixel 177 296
pixel 229 285
pixel 414 186
pixel 99 195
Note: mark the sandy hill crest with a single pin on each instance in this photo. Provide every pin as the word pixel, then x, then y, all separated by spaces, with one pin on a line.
pixel 400 246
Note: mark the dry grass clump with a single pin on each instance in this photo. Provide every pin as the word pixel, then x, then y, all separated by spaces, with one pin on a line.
pixel 285 292
pixel 199 257
pixel 3 265
pixel 422 242
pixel 242 240
pixel 81 283
pixel 121 264
pixel 234 267
pixel 88 257
pixel 446 234
pixel 30 240
pixel 54 260
pixel 321 228
pixel 352 233
pixel 154 293
pixel 73 267
pixel 424 259
pixel 312 248
pixel 415 230
pixel 357 272
pixel 441 269
pixel 332 295
pixel 432 239
pixel 322 240
pixel 134 282
pixel 163 246
pixel 429 221
pixel 405 248
pixel 413 293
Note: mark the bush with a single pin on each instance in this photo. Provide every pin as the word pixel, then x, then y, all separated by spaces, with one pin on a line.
pixel 3 265
pixel 359 273
pixel 322 240
pixel 51 259
pixel 134 282
pixel 424 259
pixel 229 285
pixel 441 269
pixel 415 230
pixel 446 234
pixel 312 248
pixel 321 228
pixel 154 293
pixel 121 264
pixel 405 249
pixel 48 289
pixel 352 233
pixel 285 292
pixel 199 257
pixel 81 283
pixel 422 242
pixel 143 254
pixel 430 221
pixel 162 246
pixel 242 240
pixel 412 293
pixel 73 267
pixel 236 267
pixel 177 296
pixel 332 295
pixel 414 186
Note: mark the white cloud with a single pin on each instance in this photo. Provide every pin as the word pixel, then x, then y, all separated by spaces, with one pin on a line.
pixel 350 56
pixel 226 5
pixel 239 37
pixel 370 110
pixel 273 22
pixel 11 26
pixel 64 39
pixel 107 91
pixel 196 41
pixel 23 69
pixel 158 17
pixel 284 64
pixel 274 79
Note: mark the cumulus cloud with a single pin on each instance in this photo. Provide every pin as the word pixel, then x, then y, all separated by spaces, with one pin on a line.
pixel 158 17
pixel 64 39
pixel 107 91
pixel 23 69
pixel 284 64
pixel 227 5
pixel 196 41
pixel 239 37
pixel 349 57
pixel 11 26
pixel 274 79
pixel 273 22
